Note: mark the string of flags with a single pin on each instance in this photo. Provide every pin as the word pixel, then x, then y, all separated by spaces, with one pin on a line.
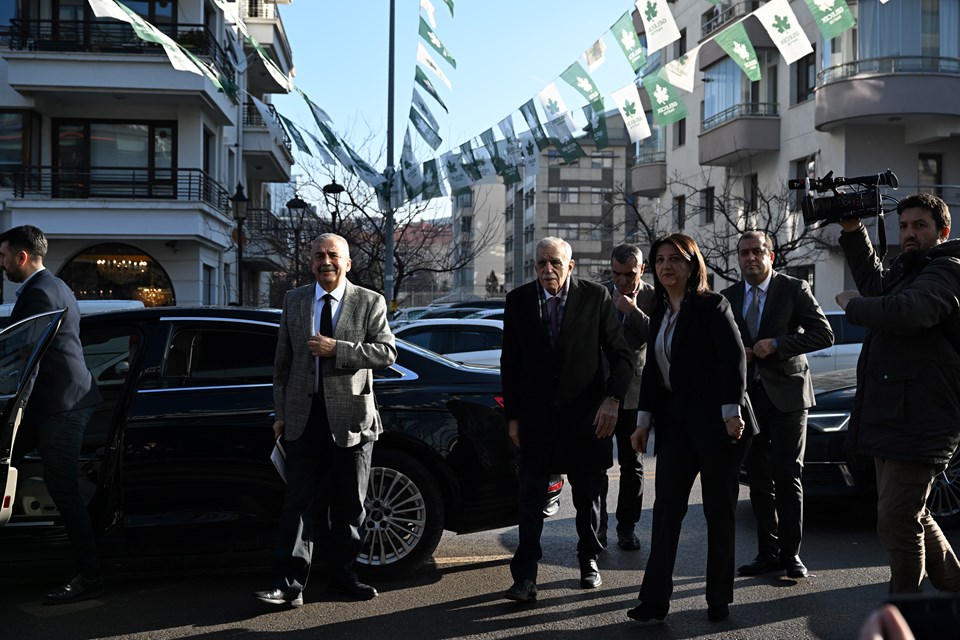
pixel 476 161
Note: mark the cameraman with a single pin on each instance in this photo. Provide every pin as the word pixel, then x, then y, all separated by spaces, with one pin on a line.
pixel 906 413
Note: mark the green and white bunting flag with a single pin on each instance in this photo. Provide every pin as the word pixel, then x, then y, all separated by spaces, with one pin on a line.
pixel 735 41
pixel 390 193
pixel 507 160
pixel 578 78
pixel 832 16
pixel 506 128
pixel 333 144
pixel 363 169
pixel 531 155
pixel 488 139
pixel 459 180
pixel 529 112
pixel 321 150
pixel 424 110
pixel 423 128
pixel 279 76
pixel 553 104
pixel 483 161
pixel 626 36
pixel 667 104
pixel 412 178
pixel 595 55
pixel 563 140
pixel 432 186
pixel 295 134
pixel 781 23
pixel 434 40
pixel 658 24
pixel 467 161
pixel 627 100
pixel 424 58
pixel 682 71
pixel 431 12
pixel 449 4
pixel 318 114
pixel 421 79
pixel 597 125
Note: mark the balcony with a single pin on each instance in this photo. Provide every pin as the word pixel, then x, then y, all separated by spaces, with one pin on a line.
pixel 723 14
pixel 265 26
pixel 739 132
pixel 81 60
pixel 265 236
pixel 885 90
pixel 649 174
pixel 123 183
pixel 267 158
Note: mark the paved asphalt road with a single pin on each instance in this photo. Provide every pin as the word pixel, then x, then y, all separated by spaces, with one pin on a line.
pixel 460 596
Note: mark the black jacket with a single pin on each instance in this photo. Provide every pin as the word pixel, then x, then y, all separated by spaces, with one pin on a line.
pixel 907 405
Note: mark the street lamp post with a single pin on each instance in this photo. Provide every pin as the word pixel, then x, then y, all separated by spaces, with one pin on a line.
pixel 239 200
pixel 333 190
pixel 295 208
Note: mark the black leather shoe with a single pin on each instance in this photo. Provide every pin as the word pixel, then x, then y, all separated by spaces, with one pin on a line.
pixel 628 541
pixel 352 589
pixel 523 590
pixel 279 597
pixel 760 565
pixel 590 575
pixel 645 612
pixel 718 612
pixel 78 589
pixel 794 567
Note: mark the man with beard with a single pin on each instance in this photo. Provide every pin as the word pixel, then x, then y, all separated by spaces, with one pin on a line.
pixel 332 335
pixel 906 413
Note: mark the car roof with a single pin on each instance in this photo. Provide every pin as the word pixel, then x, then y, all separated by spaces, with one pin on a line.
pixel 246 313
pixel 461 323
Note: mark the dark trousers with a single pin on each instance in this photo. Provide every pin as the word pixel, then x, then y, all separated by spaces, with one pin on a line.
pixel 59 438
pixel 678 463
pixel 585 487
pixel 775 468
pixel 323 481
pixel 630 498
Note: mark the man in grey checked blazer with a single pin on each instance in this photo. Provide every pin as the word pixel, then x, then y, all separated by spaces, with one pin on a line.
pixel 332 335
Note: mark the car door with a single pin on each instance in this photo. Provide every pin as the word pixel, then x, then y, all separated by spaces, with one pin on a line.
pixel 22 345
pixel 476 344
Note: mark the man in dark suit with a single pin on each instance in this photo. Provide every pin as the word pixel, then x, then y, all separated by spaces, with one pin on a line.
pixel 561 409
pixel 633 300
pixel 63 398
pixel 332 335
pixel 779 321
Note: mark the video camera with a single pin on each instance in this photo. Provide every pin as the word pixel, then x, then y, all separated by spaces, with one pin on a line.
pixel 849 205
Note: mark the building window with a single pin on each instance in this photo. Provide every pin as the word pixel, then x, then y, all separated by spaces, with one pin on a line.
pixel 802 272
pixel 706 205
pixel 19 143
pixel 680 133
pixel 680 206
pixel 118 272
pixel 805 78
pixel 801 169
pixel 466 224
pixel 563 195
pixel 209 285
pixel 930 173
pixel 926 28
pixel 601 160
pixel 751 192
pixel 465 200
pixel 680 46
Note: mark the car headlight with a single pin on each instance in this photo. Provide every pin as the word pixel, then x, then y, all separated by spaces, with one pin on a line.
pixel 828 422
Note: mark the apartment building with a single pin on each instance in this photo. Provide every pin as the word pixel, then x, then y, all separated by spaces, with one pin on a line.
pixel 478 241
pixel 130 166
pixel 582 202
pixel 882 95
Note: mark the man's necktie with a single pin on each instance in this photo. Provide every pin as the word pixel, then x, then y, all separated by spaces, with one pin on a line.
pixel 753 314
pixel 554 304
pixel 326 329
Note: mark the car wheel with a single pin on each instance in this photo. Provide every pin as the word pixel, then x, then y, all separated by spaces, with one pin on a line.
pixel 944 501
pixel 405 516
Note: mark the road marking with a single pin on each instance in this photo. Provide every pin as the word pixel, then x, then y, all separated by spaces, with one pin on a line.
pixel 471 559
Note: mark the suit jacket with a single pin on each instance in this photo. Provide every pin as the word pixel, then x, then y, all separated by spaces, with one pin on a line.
pixel 555 391
pixel 793 316
pixel 635 327
pixel 707 370
pixel 63 382
pixel 364 343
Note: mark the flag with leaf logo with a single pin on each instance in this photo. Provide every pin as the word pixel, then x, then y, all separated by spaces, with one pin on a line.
pixel 628 102
pixel 412 178
pixel 363 169
pixel 483 161
pixel 424 58
pixel 459 180
pixel 531 155
pixel 468 163
pixel 667 105
pixel 529 112
pixel 784 29
pixel 680 72
pixel 578 78
pixel 506 128
pixel 507 160
pixel 658 24
pixel 449 4
pixel 626 36
pixel 735 41
pixel 432 186
pixel 295 134
pixel 271 123
pixel 424 110
pixel 434 41
pixel 333 144
pixel 832 16
pixel 421 79
pixel 595 55
pixel 318 114
pixel 553 104
pixel 321 150
pixel 562 138
pixel 423 128
pixel 431 12
pixel 597 125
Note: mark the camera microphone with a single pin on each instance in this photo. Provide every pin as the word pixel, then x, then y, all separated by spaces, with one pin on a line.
pixel 885 179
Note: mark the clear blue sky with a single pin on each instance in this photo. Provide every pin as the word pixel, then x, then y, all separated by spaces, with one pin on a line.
pixel 506 52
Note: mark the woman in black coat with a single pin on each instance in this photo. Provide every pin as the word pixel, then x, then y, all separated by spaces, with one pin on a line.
pixel 692 391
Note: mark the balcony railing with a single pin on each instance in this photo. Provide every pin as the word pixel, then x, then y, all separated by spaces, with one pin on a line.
pixel 113 36
pixel 751 109
pixel 905 64
pixel 252 118
pixel 130 183
pixel 260 9
pixel 262 220
pixel 650 157
pixel 723 15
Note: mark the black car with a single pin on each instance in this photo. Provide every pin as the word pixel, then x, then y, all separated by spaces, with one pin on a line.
pixel 829 471
pixel 179 449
